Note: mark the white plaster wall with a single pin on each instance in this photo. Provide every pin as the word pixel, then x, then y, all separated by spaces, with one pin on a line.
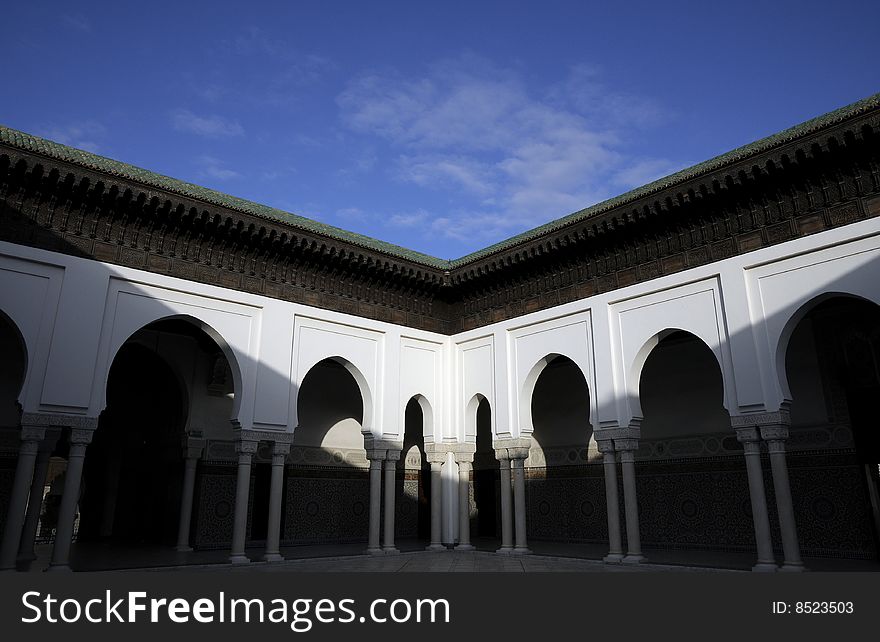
pixel 475 376
pixel 529 348
pixel 784 290
pixel 359 349
pixel 421 373
pixel 29 295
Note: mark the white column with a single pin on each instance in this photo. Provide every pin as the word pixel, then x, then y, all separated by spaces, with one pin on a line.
pixel 519 503
pixel 464 504
pixel 506 503
pixel 31 436
pixel 193 453
pixel 376 457
pixel 245 450
pixel 775 436
pixel 35 500
pixel 751 441
pixel 436 508
pixel 390 495
pixel 627 448
pixel 273 534
pixel 612 501
pixel 79 440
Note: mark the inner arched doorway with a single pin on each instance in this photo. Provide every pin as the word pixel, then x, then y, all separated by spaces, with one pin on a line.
pixel 566 503
pixel 832 367
pixel 328 484
pixel 168 383
pixel 486 516
pixel 413 506
pixel 690 474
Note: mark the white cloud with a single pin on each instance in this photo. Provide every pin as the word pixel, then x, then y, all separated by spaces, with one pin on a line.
pixel 82 135
pixel 507 155
pixel 409 219
pixel 208 126
pixel 212 167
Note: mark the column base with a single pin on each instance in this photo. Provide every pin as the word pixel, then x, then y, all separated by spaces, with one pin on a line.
pixel 183 549
pixel 521 550
pixel 789 567
pixel 390 550
pixel 59 568
pixel 464 547
pixel 436 547
pixel 375 551
pixel 504 550
pixel 764 567
pixel 613 558
pixel 633 559
pixel 273 557
pixel 239 560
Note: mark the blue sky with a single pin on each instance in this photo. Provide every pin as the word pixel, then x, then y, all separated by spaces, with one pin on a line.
pixel 441 126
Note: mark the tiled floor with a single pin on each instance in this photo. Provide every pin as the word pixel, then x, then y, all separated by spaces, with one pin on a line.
pixel 548 556
pixel 442 562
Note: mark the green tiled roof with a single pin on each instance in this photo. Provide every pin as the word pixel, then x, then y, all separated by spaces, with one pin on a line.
pixel 147 178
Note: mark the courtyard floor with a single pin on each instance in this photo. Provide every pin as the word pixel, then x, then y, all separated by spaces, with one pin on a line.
pixel 546 557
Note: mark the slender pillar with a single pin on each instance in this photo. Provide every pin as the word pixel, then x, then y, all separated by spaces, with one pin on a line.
pixel 193 453
pixel 373 546
pixel 519 504
pixel 79 440
pixel 31 436
pixel 612 502
pixel 751 441
pixel 506 503
pixel 273 534
pixel 245 450
pixel 436 508
pixel 627 448
pixel 464 505
pixel 390 494
pixel 775 436
pixel 35 501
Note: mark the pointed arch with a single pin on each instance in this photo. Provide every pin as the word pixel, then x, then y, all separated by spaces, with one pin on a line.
pixel 782 343
pixel 210 332
pixel 528 389
pixel 470 417
pixel 362 384
pixel 428 427
pixel 638 364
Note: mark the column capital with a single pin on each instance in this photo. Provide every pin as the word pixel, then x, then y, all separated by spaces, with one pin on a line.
pixel 626 445
pixel 382 448
pixel 747 434
pixel 82 436
pixel 281 447
pixel 517 448
pixel 32 436
pixel 193 447
pixel 760 419
pixel 605 446
pixel 246 446
pixel 774 433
